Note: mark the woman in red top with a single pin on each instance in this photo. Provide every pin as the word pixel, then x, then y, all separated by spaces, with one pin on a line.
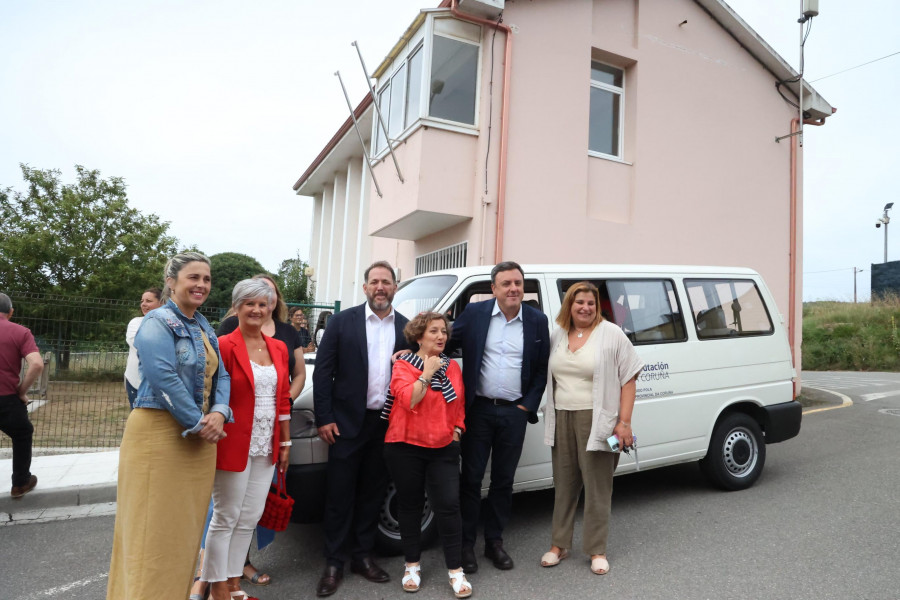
pixel 257 440
pixel 426 404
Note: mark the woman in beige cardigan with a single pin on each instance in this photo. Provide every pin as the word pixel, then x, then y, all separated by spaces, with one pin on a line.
pixel 590 396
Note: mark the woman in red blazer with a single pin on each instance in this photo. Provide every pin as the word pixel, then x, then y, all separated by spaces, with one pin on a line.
pixel 257 440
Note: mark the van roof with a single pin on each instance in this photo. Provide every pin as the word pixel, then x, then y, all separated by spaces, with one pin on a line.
pixel 601 268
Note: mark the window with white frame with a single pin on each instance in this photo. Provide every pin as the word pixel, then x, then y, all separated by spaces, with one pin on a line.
pixel 607 103
pixel 436 80
pixel 454 74
pixel 413 86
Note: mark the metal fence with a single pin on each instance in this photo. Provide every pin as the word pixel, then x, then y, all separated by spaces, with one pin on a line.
pixel 86 405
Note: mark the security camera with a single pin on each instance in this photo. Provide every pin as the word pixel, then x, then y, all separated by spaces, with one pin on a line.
pixel 877 225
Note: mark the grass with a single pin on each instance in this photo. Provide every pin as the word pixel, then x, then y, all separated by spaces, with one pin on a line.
pixel 842 336
pixel 79 415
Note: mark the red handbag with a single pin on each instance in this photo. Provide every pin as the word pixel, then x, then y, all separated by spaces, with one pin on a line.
pixel 279 506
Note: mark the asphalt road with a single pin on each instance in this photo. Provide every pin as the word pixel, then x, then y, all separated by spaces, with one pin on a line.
pixel 823 522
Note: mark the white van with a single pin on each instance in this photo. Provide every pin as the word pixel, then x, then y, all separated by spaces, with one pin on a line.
pixel 716 386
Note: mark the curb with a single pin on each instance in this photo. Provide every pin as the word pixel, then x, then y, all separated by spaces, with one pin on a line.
pixel 820 399
pixel 57 497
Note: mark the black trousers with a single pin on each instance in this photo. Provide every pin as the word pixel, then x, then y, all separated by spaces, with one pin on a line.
pixel 14 422
pixel 495 433
pixel 355 486
pixel 416 470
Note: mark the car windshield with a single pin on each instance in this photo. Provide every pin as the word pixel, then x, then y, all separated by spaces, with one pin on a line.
pixel 421 294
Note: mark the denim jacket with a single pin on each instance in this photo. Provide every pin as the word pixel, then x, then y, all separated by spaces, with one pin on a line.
pixel 172 364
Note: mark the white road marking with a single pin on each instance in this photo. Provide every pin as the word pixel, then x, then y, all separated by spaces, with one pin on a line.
pixel 60 590
pixel 880 395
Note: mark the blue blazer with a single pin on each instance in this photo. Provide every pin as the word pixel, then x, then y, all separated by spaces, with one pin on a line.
pixel 470 332
pixel 341 376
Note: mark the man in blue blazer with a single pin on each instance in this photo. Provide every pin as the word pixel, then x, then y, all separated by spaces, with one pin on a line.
pixel 351 379
pixel 505 347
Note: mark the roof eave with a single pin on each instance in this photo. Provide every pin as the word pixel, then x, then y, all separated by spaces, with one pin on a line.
pixel 813 102
pixel 341 132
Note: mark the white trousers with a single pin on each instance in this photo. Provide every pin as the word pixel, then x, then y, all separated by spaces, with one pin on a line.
pixel 238 502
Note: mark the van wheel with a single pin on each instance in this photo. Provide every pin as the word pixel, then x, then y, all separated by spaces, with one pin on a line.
pixel 737 453
pixel 388 539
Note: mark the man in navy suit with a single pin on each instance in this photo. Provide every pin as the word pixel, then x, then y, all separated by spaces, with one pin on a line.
pixel 352 375
pixel 505 347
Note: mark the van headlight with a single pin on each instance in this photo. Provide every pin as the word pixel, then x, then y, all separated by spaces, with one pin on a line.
pixel 303 424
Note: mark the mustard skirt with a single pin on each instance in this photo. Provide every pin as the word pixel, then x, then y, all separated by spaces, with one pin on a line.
pixel 165 482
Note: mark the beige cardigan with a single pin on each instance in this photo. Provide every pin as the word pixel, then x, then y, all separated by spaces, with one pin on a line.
pixel 616 362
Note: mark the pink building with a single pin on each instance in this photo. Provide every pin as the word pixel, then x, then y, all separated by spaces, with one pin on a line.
pixel 579 131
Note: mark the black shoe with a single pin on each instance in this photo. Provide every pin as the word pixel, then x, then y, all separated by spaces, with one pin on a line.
pixel 493 549
pixel 329 582
pixel 469 564
pixel 18 491
pixel 368 569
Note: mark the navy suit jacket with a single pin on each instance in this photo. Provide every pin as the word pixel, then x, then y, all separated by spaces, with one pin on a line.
pixel 341 375
pixel 470 332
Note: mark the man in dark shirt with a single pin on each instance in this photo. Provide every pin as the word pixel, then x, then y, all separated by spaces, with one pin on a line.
pixel 16 343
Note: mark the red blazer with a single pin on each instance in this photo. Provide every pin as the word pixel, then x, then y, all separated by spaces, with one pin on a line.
pixel 233 451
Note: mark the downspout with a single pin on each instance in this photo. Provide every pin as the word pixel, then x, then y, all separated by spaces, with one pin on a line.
pixel 504 120
pixel 792 280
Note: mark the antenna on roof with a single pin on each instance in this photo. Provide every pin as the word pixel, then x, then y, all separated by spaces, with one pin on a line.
pixel 361 141
pixel 378 110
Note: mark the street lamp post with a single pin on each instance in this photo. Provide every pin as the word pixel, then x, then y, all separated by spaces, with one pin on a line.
pixel 885 219
pixel 856 270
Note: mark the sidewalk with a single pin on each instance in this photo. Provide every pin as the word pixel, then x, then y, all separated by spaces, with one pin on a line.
pixel 66 480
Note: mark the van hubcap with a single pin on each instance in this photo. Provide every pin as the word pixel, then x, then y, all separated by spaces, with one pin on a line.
pixel 740 452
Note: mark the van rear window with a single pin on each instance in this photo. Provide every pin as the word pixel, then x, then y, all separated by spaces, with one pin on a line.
pixel 727 308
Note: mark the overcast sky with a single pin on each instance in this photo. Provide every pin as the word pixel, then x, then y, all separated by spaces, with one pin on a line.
pixel 211 110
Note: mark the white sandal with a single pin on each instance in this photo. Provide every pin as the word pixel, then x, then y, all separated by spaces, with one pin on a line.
pixel 461 587
pixel 599 566
pixel 411 575
pixel 551 558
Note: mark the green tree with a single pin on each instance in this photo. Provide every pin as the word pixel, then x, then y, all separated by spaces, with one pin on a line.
pixel 292 279
pixel 79 239
pixel 227 269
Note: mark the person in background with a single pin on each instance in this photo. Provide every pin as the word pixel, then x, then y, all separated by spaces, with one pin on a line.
pixel 301 324
pixel 16 344
pixel 167 459
pixel 259 437
pixel 273 327
pixel 505 349
pixel 421 448
pixel 590 396
pixel 321 322
pixel 352 375
pixel 150 299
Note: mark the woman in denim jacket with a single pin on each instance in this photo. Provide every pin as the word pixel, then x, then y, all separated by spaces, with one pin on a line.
pixel 167 459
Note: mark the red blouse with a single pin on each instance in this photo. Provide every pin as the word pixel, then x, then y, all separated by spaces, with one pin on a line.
pixel 430 424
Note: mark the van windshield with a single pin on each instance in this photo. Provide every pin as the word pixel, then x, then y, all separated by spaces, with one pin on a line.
pixel 421 294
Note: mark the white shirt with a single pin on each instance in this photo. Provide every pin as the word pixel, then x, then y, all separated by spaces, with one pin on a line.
pixel 501 367
pixel 265 381
pixel 380 338
pixel 132 371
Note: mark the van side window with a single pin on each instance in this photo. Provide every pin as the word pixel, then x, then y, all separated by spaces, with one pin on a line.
pixel 482 291
pixel 727 307
pixel 647 310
